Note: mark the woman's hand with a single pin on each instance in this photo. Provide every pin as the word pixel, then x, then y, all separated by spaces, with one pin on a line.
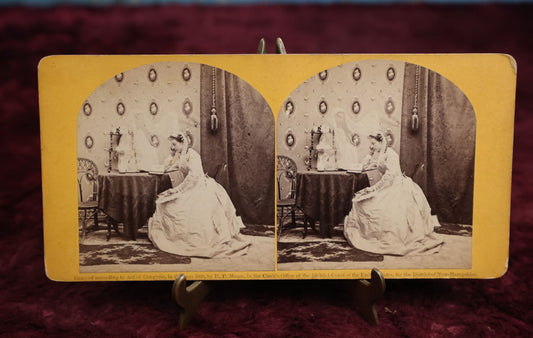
pixel 167 193
pixel 370 166
pixel 172 167
pixel 364 194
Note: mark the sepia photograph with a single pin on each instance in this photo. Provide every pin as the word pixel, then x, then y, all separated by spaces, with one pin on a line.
pixel 388 187
pixel 175 188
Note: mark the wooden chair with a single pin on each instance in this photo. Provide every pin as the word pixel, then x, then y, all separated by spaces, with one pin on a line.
pixel 286 184
pixel 88 196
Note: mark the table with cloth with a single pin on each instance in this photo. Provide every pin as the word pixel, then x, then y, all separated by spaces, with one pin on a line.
pixel 130 198
pixel 327 196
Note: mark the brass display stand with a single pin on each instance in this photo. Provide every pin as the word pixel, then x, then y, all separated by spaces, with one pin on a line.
pixel 364 293
pixel 188 298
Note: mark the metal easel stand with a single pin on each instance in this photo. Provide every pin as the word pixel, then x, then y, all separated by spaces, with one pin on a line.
pixel 364 293
pixel 188 298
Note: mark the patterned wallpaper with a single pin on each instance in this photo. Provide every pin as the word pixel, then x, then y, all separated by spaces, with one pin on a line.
pixel 354 99
pixel 151 101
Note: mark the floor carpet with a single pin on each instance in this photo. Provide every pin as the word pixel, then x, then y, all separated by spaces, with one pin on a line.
pixel 128 253
pixel 323 252
pixel 96 250
pixel 294 248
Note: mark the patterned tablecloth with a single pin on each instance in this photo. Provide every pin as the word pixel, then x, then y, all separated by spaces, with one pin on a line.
pixel 130 198
pixel 327 196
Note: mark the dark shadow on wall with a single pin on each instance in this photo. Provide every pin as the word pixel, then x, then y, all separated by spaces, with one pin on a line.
pixel 440 156
pixel 244 141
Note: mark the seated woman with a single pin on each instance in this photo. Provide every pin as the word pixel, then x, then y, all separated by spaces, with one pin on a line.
pixel 393 216
pixel 197 217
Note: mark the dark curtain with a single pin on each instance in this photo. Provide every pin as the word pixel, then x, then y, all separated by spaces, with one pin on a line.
pixel 440 156
pixel 244 141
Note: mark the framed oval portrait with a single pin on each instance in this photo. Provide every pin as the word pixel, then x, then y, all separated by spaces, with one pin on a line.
pixel 190 138
pixel 154 141
pixel 154 108
pixel 187 107
pixel 186 74
pixel 356 74
pixel 89 142
pixel 389 138
pixel 121 109
pixel 389 106
pixel 391 73
pixel 87 109
pixel 289 107
pixel 355 139
pixel 152 75
pixel 289 139
pixel 356 107
pixel 323 107
pixel 323 75
pixel 119 77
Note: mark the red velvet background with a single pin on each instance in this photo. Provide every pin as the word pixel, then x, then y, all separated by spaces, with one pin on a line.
pixel 31 305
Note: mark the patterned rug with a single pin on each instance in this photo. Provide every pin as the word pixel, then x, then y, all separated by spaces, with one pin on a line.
pixel 95 250
pixel 454 229
pixel 264 230
pixel 323 252
pixel 313 248
pixel 127 253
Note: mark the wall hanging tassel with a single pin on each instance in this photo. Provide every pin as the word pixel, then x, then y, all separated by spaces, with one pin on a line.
pixel 414 112
pixel 214 118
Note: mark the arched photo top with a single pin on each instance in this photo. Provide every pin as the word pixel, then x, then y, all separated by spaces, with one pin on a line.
pixel 209 106
pixel 416 108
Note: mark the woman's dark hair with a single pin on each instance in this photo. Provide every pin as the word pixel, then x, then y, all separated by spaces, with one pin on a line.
pixel 178 137
pixel 377 136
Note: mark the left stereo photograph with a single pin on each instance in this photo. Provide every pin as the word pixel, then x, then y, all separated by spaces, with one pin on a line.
pixel 175 166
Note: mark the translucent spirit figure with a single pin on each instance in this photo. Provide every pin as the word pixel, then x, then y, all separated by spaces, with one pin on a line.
pixel 127 159
pixel 347 156
pixel 325 151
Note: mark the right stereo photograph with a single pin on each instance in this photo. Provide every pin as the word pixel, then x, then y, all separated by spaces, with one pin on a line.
pixel 375 169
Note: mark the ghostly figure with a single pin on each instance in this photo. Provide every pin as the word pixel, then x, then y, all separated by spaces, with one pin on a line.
pixel 326 151
pixel 127 159
pixel 347 155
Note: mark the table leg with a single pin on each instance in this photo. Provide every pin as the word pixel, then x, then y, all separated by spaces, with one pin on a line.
pixel 308 221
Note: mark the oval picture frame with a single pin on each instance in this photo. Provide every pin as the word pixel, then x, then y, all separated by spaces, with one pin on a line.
pixel 186 73
pixel 187 107
pixel 153 108
pixel 391 73
pixel 323 75
pixel 356 107
pixel 89 141
pixel 290 140
pixel 389 106
pixel 119 77
pixel 356 140
pixel 152 75
pixel 289 107
pixel 323 107
pixel 87 109
pixel 121 108
pixel 154 140
pixel 356 74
